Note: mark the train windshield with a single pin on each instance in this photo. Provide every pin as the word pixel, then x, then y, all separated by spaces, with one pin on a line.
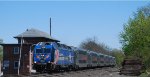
pixel 47 50
pixel 38 50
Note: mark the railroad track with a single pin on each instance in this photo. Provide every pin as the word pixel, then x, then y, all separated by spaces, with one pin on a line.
pixel 97 72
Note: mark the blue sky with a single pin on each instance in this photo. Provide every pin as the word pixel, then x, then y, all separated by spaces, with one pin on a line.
pixel 72 22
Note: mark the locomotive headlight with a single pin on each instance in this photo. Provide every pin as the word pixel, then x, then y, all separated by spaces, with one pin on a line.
pixel 35 62
pixel 42 55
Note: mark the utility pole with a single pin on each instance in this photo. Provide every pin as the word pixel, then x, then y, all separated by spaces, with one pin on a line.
pixel 50 26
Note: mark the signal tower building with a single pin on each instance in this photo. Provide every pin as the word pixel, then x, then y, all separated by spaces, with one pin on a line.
pixel 13 54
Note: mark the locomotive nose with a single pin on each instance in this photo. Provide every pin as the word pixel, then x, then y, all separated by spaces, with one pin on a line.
pixel 43 52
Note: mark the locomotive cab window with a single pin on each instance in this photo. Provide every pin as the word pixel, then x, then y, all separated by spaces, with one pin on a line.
pixel 47 50
pixel 38 50
pixel 16 50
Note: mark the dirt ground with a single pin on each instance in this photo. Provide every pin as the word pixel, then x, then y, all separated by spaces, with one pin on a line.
pixel 97 72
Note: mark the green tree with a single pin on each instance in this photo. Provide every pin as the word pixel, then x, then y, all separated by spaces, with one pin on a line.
pixel 93 45
pixel 135 37
pixel 119 55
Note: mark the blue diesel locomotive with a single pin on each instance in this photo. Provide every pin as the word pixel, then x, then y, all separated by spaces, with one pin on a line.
pixel 51 56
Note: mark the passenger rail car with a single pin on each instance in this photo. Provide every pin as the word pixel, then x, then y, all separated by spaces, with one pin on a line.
pixel 81 58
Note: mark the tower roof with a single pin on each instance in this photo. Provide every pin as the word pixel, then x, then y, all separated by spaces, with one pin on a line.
pixel 34 33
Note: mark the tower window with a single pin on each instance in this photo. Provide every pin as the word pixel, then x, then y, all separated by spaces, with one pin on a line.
pixel 16 64
pixel 16 50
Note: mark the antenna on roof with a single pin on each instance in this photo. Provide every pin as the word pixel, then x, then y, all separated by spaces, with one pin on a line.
pixel 50 26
